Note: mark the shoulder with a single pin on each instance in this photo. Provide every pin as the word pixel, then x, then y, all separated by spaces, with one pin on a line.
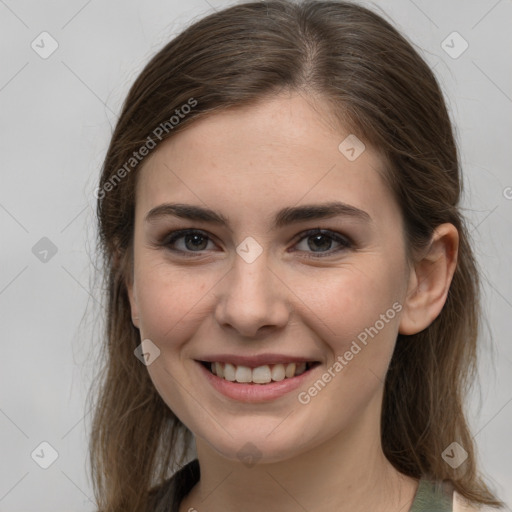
pixel 441 495
pixel 161 496
pixel 460 504
pixel 168 495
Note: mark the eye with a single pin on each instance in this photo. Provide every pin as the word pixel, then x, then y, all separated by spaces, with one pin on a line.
pixel 322 239
pixel 190 241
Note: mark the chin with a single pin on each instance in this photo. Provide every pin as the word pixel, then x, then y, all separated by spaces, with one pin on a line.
pixel 256 446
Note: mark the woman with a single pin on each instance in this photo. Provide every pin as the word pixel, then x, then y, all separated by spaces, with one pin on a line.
pixel 293 299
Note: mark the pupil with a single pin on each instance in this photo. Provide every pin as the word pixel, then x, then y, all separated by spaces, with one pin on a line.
pixel 195 238
pixel 316 237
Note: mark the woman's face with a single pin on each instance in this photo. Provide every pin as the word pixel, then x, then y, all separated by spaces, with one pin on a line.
pixel 259 286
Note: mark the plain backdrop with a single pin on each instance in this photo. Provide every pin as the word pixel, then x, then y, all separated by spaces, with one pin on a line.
pixel 57 114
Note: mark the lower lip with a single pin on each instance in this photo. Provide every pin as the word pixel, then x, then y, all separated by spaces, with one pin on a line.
pixel 255 392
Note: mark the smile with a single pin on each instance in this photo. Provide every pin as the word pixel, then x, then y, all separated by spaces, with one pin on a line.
pixel 263 374
pixel 263 383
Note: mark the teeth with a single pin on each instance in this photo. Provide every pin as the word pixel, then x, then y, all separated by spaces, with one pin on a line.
pixel 278 372
pixel 301 368
pixel 260 375
pixel 229 372
pixel 243 374
pixel 290 370
pixel 219 370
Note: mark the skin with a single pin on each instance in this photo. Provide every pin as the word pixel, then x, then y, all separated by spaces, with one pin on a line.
pixel 248 163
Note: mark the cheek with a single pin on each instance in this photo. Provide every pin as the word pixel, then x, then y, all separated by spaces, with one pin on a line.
pixel 356 317
pixel 169 300
pixel 343 304
pixel 339 304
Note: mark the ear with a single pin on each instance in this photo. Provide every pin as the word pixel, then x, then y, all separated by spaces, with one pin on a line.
pixel 133 301
pixel 123 263
pixel 429 280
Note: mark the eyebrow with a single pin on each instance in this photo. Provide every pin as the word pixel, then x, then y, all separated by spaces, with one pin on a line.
pixel 286 216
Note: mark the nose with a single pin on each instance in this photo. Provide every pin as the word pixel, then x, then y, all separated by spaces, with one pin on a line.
pixel 252 299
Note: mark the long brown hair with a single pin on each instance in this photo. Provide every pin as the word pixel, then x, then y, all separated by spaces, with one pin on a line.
pixel 377 85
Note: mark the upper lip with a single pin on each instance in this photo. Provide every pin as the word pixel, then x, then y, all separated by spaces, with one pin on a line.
pixel 257 360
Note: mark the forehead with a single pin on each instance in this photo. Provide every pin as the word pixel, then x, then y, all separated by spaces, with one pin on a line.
pixel 279 152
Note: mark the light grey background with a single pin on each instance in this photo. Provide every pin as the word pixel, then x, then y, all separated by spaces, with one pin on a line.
pixel 56 118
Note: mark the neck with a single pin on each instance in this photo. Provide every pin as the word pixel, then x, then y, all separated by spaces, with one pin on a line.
pixel 346 473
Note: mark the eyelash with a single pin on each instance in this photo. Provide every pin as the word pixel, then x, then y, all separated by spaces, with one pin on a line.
pixel 345 242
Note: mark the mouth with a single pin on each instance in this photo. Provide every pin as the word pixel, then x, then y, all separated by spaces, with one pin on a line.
pixel 263 374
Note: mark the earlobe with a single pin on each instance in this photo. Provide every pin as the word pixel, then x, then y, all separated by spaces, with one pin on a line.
pixel 430 280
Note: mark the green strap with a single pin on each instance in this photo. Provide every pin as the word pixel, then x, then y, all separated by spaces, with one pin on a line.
pixel 432 497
